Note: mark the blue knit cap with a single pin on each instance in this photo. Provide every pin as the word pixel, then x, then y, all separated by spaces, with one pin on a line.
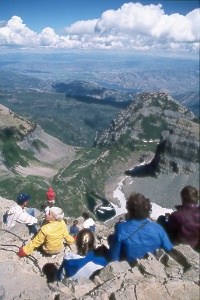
pixel 22 198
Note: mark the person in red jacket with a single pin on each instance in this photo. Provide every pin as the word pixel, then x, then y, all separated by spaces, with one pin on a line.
pixel 50 196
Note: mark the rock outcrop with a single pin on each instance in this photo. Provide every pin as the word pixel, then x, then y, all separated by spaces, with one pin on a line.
pixel 157 276
pixel 12 124
pixel 178 151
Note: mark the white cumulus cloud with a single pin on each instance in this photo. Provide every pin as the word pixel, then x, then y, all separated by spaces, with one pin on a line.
pixel 82 27
pixel 48 37
pixel 15 32
pixel 129 19
pixel 132 26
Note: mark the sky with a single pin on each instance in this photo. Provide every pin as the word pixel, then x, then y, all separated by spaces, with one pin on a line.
pixel 150 26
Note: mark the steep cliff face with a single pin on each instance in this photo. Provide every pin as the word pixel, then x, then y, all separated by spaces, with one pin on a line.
pixel 177 151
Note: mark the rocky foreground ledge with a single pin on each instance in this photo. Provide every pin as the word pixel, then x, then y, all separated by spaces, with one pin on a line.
pixel 155 277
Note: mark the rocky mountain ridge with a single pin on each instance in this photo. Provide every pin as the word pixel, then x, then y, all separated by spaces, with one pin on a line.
pixel 90 92
pixel 149 114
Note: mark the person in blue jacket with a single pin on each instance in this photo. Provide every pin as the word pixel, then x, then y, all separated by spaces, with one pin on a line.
pixel 84 264
pixel 138 235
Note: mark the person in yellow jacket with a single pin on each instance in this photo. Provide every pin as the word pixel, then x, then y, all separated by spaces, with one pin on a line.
pixel 50 236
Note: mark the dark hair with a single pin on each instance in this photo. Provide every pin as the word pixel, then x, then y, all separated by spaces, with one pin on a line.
pixel 85 215
pixel 43 206
pixel 138 206
pixel 85 241
pixel 49 269
pixel 189 194
pixel 75 222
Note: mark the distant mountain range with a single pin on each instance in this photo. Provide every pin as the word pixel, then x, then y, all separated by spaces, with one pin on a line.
pixel 131 73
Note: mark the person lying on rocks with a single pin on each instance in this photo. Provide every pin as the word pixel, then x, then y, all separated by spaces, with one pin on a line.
pixel 50 236
pixel 183 226
pixel 138 236
pixel 84 264
pixel 18 214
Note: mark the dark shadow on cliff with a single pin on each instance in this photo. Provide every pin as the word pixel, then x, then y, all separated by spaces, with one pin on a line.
pixel 151 169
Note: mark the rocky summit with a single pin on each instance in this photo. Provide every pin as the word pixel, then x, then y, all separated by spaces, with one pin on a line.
pixel 156 276
pixel 145 118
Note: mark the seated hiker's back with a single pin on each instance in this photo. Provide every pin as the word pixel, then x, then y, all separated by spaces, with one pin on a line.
pixel 184 224
pixel 138 235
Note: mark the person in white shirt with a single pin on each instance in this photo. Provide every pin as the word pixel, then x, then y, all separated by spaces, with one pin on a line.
pixel 18 214
pixel 88 222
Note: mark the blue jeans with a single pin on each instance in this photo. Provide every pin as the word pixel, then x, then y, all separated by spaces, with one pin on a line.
pixel 32 228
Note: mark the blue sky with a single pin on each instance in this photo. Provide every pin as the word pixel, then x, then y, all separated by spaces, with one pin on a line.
pixel 162 26
pixel 38 14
